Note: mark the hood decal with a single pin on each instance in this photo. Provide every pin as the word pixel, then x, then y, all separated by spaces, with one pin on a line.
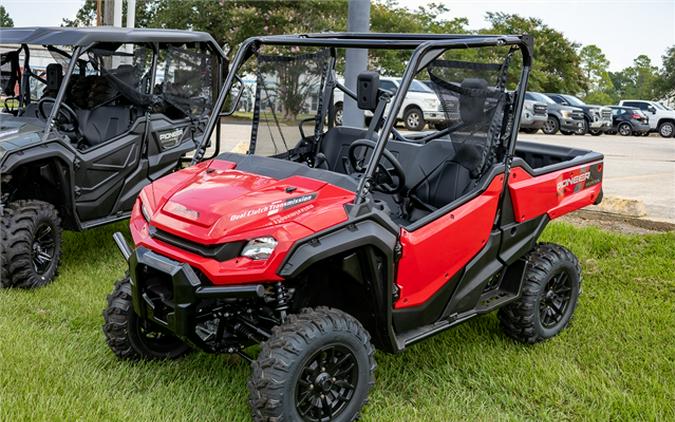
pixel 274 207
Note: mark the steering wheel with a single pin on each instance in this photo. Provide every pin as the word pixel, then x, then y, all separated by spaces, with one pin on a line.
pixel 66 118
pixel 387 179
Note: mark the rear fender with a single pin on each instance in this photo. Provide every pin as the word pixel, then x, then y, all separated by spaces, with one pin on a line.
pixel 555 193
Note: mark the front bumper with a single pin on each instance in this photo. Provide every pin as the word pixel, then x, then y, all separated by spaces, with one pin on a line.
pixel 175 307
pixel 600 124
pixel 433 116
pixel 571 125
pixel 529 120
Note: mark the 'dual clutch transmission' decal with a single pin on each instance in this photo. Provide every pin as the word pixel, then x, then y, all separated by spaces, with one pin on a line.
pixel 274 207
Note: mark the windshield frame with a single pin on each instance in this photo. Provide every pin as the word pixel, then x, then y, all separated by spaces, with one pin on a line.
pixel 425 48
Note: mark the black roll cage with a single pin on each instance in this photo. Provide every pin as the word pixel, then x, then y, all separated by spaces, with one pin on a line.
pixel 76 61
pixel 426 47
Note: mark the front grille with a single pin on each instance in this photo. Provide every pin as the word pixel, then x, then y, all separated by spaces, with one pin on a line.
pixel 221 252
pixel 606 114
pixel 540 109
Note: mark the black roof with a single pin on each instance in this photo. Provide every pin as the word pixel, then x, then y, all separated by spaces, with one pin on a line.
pixel 87 35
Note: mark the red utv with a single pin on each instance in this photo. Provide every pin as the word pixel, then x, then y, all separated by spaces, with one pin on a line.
pixel 322 241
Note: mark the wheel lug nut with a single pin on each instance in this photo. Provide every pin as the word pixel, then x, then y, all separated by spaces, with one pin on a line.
pixel 323 369
pixel 333 379
pixel 311 386
pixel 322 396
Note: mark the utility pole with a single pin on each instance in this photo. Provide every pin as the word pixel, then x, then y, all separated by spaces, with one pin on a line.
pixel 356 60
pixel 117 13
pixel 99 12
pixel 108 12
pixel 131 13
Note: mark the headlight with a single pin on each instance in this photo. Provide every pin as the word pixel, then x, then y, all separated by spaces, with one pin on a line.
pixel 259 248
pixel 146 213
pixel 595 111
pixel 433 104
pixel 567 114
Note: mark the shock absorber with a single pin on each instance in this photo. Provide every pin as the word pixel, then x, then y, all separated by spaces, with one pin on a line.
pixel 282 299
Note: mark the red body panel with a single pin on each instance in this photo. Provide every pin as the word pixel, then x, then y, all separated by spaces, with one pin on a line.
pixel 555 193
pixel 213 203
pixel 434 253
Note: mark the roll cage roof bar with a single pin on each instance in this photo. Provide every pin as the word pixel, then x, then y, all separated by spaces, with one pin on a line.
pixel 426 47
pixel 79 49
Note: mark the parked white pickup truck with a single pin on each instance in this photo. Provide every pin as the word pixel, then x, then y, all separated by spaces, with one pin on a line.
pixel 420 106
pixel 661 118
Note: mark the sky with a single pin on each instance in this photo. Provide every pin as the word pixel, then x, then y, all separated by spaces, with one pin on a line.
pixel 623 29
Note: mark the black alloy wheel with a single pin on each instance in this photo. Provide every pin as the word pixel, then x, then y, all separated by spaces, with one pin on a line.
pixel 131 337
pixel 549 295
pixel 327 383
pixel 30 244
pixel 555 300
pixel 318 365
pixel 43 250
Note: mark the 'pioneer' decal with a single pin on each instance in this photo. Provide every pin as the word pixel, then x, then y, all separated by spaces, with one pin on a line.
pixel 574 180
pixel 274 207
pixel 171 139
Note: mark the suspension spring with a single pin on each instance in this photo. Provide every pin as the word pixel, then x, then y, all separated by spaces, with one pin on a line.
pixel 282 298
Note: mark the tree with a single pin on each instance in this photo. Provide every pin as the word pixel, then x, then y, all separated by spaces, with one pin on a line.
pixel 666 79
pixel 5 20
pixel 599 87
pixel 594 64
pixel 86 15
pixel 231 22
pixel 388 16
pixel 556 65
pixel 638 81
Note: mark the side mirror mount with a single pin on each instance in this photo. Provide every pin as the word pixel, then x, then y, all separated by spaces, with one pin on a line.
pixel 367 86
pixel 651 109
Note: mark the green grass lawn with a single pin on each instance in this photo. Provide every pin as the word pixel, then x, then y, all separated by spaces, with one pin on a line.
pixel 615 362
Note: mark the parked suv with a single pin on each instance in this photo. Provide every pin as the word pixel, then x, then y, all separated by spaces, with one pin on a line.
pixel 534 115
pixel 629 121
pixel 566 119
pixel 77 144
pixel 597 119
pixel 661 118
pixel 420 105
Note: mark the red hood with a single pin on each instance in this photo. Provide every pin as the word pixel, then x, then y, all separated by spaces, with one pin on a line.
pixel 219 203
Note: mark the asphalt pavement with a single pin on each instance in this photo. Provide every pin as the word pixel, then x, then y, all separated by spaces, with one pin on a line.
pixel 639 175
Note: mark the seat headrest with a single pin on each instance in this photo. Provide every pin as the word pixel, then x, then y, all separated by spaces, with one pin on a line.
pixel 472 106
pixel 126 73
pixel 54 77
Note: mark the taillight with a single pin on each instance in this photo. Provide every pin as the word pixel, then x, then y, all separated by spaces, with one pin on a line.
pixel 636 116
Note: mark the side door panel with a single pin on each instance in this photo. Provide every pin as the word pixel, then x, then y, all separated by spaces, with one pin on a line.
pixel 109 176
pixel 168 141
pixel 434 253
